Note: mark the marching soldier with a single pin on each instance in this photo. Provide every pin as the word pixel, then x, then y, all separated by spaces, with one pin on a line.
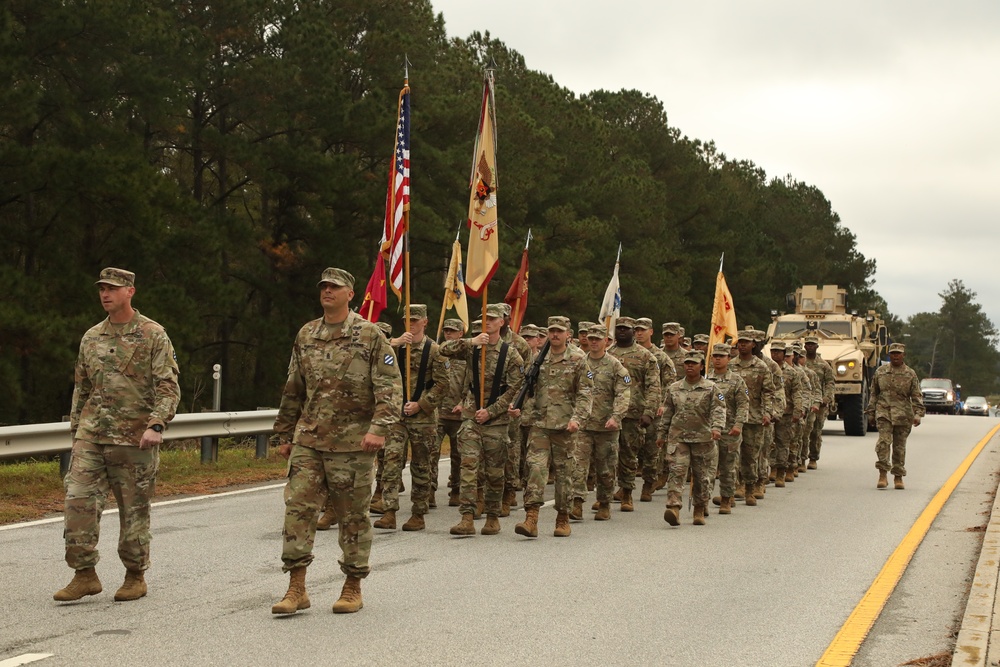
pixel 898 405
pixel 761 392
pixel 814 360
pixel 653 474
pixel 766 471
pixel 785 426
pixel 512 469
pixel 450 413
pixel 737 400
pixel 813 402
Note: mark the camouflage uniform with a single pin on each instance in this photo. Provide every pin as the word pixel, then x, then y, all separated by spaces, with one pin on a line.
pixel 766 456
pixel 784 428
pixel 126 382
pixel 419 430
pixel 761 391
pixel 449 422
pixel 343 382
pixel 737 400
pixel 691 412
pixel 641 366
pixel 512 468
pixel 677 359
pixel 668 374
pixel 562 394
pixel 611 396
pixel 484 445
pixel 815 401
pixel 827 385
pixel 896 400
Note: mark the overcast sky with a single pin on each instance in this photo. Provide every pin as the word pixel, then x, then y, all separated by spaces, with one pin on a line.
pixel 891 108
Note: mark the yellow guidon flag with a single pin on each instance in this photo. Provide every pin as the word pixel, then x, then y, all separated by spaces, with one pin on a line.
pixel 454 286
pixel 484 250
pixel 723 313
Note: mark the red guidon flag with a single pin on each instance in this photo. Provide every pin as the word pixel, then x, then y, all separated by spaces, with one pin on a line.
pixel 517 295
pixel 484 251
pixel 376 298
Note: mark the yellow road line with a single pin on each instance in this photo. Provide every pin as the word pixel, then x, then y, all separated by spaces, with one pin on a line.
pixel 848 640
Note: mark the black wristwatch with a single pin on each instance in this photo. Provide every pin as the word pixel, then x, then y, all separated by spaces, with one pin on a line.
pixel 157 427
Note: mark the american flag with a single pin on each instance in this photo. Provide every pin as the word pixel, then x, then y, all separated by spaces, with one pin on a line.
pixel 397 198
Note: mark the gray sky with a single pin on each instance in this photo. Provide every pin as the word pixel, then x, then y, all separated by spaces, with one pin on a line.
pixel 891 108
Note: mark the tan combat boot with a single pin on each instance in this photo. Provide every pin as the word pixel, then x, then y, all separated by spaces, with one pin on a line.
pixel 748 495
pixel 414 523
pixel 790 474
pixel 726 506
pixel 296 598
pixel 85 582
pixel 387 522
pixel 492 526
pixel 646 495
pixel 717 500
pixel 627 505
pixel 453 500
pixel 328 519
pixel 661 481
pixel 699 515
pixel 883 481
pixel 528 527
pixel 672 516
pixel 480 503
pixel 562 525
pixel 350 597
pixel 618 495
pixel 603 512
pixel 771 475
pixel 465 526
pixel 376 506
pixel 812 464
pixel 778 476
pixel 801 468
pixel 759 490
pixel 897 482
pixel 377 495
pixel 505 502
pixel 133 588
pixel 576 512
pixel 596 506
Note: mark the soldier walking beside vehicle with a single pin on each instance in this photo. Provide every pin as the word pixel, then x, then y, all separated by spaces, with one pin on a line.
pixel 827 385
pixel 898 405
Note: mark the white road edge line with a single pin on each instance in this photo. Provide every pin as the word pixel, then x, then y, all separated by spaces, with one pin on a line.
pixel 24 659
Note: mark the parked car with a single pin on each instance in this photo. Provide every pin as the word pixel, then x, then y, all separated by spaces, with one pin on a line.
pixel 976 405
pixel 940 395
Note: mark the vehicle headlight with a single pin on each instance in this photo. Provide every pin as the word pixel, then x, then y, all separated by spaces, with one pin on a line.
pixel 951 396
pixel 841 369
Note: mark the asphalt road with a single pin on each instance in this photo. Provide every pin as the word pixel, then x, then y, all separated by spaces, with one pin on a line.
pixel 769 585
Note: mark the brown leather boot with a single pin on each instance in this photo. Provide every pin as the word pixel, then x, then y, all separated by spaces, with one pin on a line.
pixel 133 588
pixel 603 512
pixel 646 495
pixel 801 468
pixel 576 512
pixel 350 597
pixel 699 515
pixel 453 500
pixel 758 490
pixel 414 523
pixel 328 519
pixel 717 500
pixel 84 582
pixel 596 506
pixel 726 507
pixel 618 495
pixel 480 503
pixel 465 526
pixel 296 598
pixel 738 494
pixel 672 516
pixel 897 482
pixel 562 525
pixel 627 505
pixel 505 502
pixel 387 522
pixel 790 474
pixel 778 476
pixel 492 526
pixel 812 464
pixel 883 480
pixel 376 506
pixel 528 527
pixel 749 496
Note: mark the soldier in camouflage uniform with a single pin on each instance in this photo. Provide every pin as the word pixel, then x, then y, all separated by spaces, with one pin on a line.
pixel 694 417
pixel 126 391
pixel 483 439
pixel 737 400
pixel 813 403
pixel 898 405
pixel 814 360
pixel 762 390
pixel 560 405
pixel 425 383
pixel 765 469
pixel 598 439
pixel 632 449
pixel 700 343
pixel 672 348
pixel 450 412
pixel 786 445
pixel 339 403
pixel 653 474
pixel 512 469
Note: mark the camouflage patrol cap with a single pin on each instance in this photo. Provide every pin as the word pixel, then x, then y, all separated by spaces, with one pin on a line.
pixel 627 322
pixel 559 322
pixel 385 328
pixel 796 348
pixel 584 326
pixel 529 331
pixel 897 347
pixel 685 341
pixel 759 335
pixel 749 327
pixel 476 327
pixel 812 338
pixel 337 277
pixel 671 328
pixel 778 346
pixel 453 324
pixel 745 334
pixel 701 338
pixel 643 323
pixel 418 311
pixel 116 277
pixel 694 356
pixel 596 331
pixel 721 349
pixel 495 310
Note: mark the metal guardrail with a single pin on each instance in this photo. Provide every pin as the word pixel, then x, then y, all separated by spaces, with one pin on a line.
pixel 53 438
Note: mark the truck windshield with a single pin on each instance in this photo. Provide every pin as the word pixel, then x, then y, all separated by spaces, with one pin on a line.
pixel 786 328
pixel 931 383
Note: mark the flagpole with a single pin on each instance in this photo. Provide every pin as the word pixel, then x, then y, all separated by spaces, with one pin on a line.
pixel 618 260
pixel 406 250
pixel 721 260
pixel 482 354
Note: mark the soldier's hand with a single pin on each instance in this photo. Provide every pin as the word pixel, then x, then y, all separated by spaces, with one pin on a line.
pixel 766 421
pixel 411 408
pixel 572 426
pixel 611 424
pixel 514 412
pixel 150 438
pixel 481 339
pixel 372 442
pixel 482 416
pixel 716 434
pixel 402 339
pixel 457 409
pixel 815 408
pixel 285 450
pixel 736 430
pixel 916 421
pixel 645 421
pixel 659 411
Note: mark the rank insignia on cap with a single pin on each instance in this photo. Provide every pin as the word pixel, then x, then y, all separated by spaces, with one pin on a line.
pixel 389 360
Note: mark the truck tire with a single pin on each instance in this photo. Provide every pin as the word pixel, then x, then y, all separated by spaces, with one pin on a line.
pixel 852 411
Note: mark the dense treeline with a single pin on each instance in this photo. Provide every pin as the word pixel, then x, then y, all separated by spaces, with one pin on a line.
pixel 227 152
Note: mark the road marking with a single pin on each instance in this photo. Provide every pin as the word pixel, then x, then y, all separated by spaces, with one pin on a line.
pixel 848 640
pixel 24 659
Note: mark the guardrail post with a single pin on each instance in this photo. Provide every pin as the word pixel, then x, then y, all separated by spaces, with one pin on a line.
pixel 262 445
pixel 209 449
pixel 64 459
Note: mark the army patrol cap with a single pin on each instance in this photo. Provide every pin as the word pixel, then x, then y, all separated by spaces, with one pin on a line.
pixel 559 322
pixel 337 277
pixel 701 338
pixel 795 348
pixel 812 338
pixel 584 326
pixel 694 356
pixel 476 327
pixel 418 311
pixel 746 334
pixel 643 323
pixel 897 347
pixel 530 331
pixel 453 324
pixel 721 349
pixel 778 346
pixel 671 328
pixel 116 277
pixel 596 331
pixel 626 322
pixel 495 310
pixel 685 341
pixel 385 328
